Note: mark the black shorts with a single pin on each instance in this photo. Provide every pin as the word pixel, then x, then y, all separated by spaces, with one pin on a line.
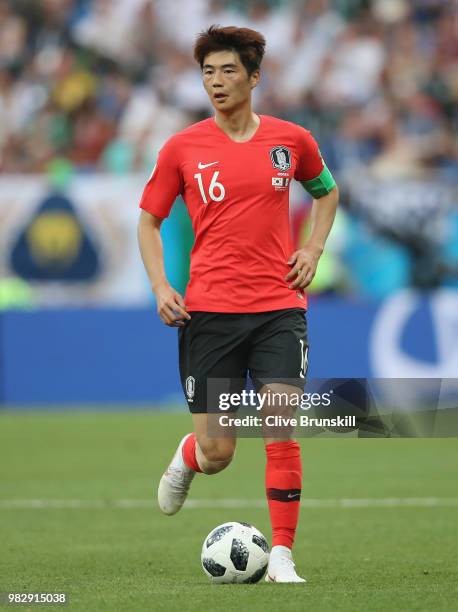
pixel 269 346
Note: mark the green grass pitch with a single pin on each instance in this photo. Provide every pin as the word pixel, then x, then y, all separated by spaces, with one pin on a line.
pixel 112 555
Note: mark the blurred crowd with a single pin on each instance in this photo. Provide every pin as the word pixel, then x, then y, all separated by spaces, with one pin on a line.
pixel 97 86
pixel 102 83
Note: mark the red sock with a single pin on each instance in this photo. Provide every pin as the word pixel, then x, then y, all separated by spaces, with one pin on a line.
pixel 189 453
pixel 283 490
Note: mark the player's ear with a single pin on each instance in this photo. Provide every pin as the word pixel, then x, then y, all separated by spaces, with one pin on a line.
pixel 255 77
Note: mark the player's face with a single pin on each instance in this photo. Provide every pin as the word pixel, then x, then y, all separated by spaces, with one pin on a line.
pixel 226 80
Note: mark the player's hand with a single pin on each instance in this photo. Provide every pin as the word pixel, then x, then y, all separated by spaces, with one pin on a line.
pixel 171 307
pixel 304 262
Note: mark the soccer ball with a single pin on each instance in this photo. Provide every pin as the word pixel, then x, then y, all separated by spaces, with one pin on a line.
pixel 235 552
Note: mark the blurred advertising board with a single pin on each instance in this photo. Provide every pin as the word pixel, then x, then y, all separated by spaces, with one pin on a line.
pixel 127 356
pixel 77 245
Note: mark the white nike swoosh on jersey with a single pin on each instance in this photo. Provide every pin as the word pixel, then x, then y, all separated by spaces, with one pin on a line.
pixel 291 495
pixel 201 166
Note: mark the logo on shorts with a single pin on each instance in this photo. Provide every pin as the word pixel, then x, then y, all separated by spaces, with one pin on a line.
pixel 281 158
pixel 190 388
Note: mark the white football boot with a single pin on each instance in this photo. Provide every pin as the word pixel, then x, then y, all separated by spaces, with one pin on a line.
pixel 175 482
pixel 281 566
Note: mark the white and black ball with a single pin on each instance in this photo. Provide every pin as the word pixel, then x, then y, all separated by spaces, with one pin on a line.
pixel 235 552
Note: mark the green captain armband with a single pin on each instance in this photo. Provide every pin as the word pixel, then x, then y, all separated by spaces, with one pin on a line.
pixel 321 185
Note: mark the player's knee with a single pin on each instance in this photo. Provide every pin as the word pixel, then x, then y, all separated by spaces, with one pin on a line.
pixel 218 453
pixel 213 467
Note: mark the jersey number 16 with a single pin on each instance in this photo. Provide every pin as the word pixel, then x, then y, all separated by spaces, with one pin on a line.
pixel 216 190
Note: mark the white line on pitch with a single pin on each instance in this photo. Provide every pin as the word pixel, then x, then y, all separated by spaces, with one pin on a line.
pixel 375 502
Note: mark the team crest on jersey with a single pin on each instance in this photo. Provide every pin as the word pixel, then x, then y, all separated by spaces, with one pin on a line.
pixel 281 158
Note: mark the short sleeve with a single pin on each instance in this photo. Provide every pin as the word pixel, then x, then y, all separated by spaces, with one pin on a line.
pixel 165 183
pixel 311 169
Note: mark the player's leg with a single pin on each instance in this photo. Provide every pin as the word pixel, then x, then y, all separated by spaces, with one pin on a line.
pixel 196 453
pixel 283 480
pixel 205 452
pixel 209 349
pixel 279 359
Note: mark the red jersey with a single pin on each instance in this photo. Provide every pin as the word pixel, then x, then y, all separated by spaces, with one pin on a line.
pixel 237 195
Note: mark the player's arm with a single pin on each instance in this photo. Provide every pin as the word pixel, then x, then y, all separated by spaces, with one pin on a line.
pixel 305 260
pixel 170 305
pixel 316 178
pixel 163 187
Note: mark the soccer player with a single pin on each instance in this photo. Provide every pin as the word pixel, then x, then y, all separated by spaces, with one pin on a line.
pixel 244 308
